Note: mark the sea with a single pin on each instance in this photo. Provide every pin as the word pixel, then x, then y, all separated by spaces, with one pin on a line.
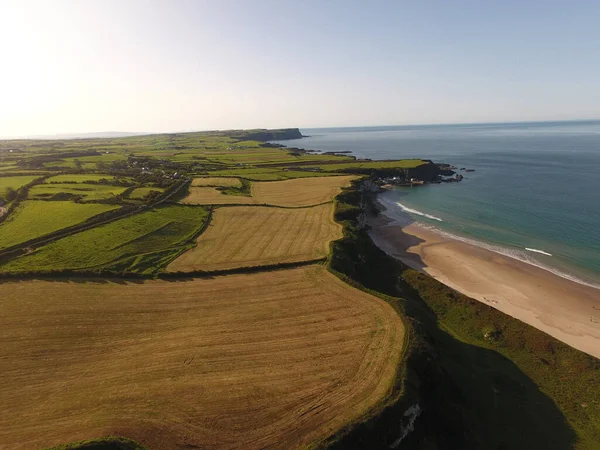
pixel 534 194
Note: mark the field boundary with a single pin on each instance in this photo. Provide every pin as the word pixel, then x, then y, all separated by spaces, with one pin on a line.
pixel 108 275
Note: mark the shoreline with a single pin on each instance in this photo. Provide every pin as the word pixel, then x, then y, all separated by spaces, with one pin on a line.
pixel 565 309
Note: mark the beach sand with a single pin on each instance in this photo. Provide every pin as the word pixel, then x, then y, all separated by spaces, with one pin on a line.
pixel 562 308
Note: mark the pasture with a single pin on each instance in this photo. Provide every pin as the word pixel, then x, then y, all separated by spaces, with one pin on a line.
pixel 268 174
pixel 250 236
pixel 15 182
pixel 358 164
pixel 79 178
pixel 137 243
pixel 275 359
pixel 89 192
pixel 33 219
pixel 141 192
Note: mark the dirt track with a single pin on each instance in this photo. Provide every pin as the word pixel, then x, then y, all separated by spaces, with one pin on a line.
pixel 268 360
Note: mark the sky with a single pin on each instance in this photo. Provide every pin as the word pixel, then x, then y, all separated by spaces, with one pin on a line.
pixel 160 66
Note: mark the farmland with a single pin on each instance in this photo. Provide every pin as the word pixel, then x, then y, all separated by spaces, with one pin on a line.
pixel 33 219
pixel 255 236
pixel 351 165
pixel 137 243
pixel 212 196
pixel 142 192
pixel 298 192
pixel 170 320
pixel 216 181
pixel 15 182
pixel 275 359
pixel 88 192
pixel 79 178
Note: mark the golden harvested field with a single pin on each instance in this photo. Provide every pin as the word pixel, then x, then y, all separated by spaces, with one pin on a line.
pixel 249 236
pixel 297 192
pixel 217 181
pixel 268 360
pixel 211 196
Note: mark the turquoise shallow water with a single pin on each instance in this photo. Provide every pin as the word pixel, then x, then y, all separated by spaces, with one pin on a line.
pixel 536 186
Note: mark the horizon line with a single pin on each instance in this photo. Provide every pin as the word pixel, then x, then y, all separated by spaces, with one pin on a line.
pixel 82 135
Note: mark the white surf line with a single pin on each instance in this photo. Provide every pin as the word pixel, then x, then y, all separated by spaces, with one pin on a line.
pixel 418 213
pixel 535 250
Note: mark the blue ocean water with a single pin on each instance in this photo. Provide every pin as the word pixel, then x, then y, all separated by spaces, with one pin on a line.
pixel 534 195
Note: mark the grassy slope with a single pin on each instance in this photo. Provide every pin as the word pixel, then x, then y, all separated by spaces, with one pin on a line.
pixel 33 219
pixel 138 243
pixel 517 388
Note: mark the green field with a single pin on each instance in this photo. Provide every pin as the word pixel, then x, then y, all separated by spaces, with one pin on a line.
pixel 89 192
pixel 80 178
pixel 33 219
pixel 15 182
pixel 266 174
pixel 398 164
pixel 136 243
pixel 140 193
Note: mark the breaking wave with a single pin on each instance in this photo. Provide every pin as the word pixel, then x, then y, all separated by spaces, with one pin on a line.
pixel 418 213
pixel 535 250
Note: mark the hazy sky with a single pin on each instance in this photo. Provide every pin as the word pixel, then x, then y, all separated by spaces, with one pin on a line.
pixel 89 66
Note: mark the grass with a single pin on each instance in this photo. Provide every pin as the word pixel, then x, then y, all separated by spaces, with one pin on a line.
pixel 79 178
pixel 267 174
pixel 33 219
pixel 88 192
pixel 273 359
pixel 142 192
pixel 397 164
pixel 130 244
pixel 257 236
pixel 15 182
pixel 217 182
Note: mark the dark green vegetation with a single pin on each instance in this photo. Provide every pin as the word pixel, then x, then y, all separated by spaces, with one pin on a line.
pixel 482 379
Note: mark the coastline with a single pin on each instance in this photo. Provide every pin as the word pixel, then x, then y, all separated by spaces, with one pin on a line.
pixel 564 309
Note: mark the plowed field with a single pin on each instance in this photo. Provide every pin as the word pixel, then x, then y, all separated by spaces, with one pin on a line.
pixel 269 360
pixel 248 236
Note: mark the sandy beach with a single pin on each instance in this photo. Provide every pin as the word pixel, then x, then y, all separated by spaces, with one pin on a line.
pixel 562 308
